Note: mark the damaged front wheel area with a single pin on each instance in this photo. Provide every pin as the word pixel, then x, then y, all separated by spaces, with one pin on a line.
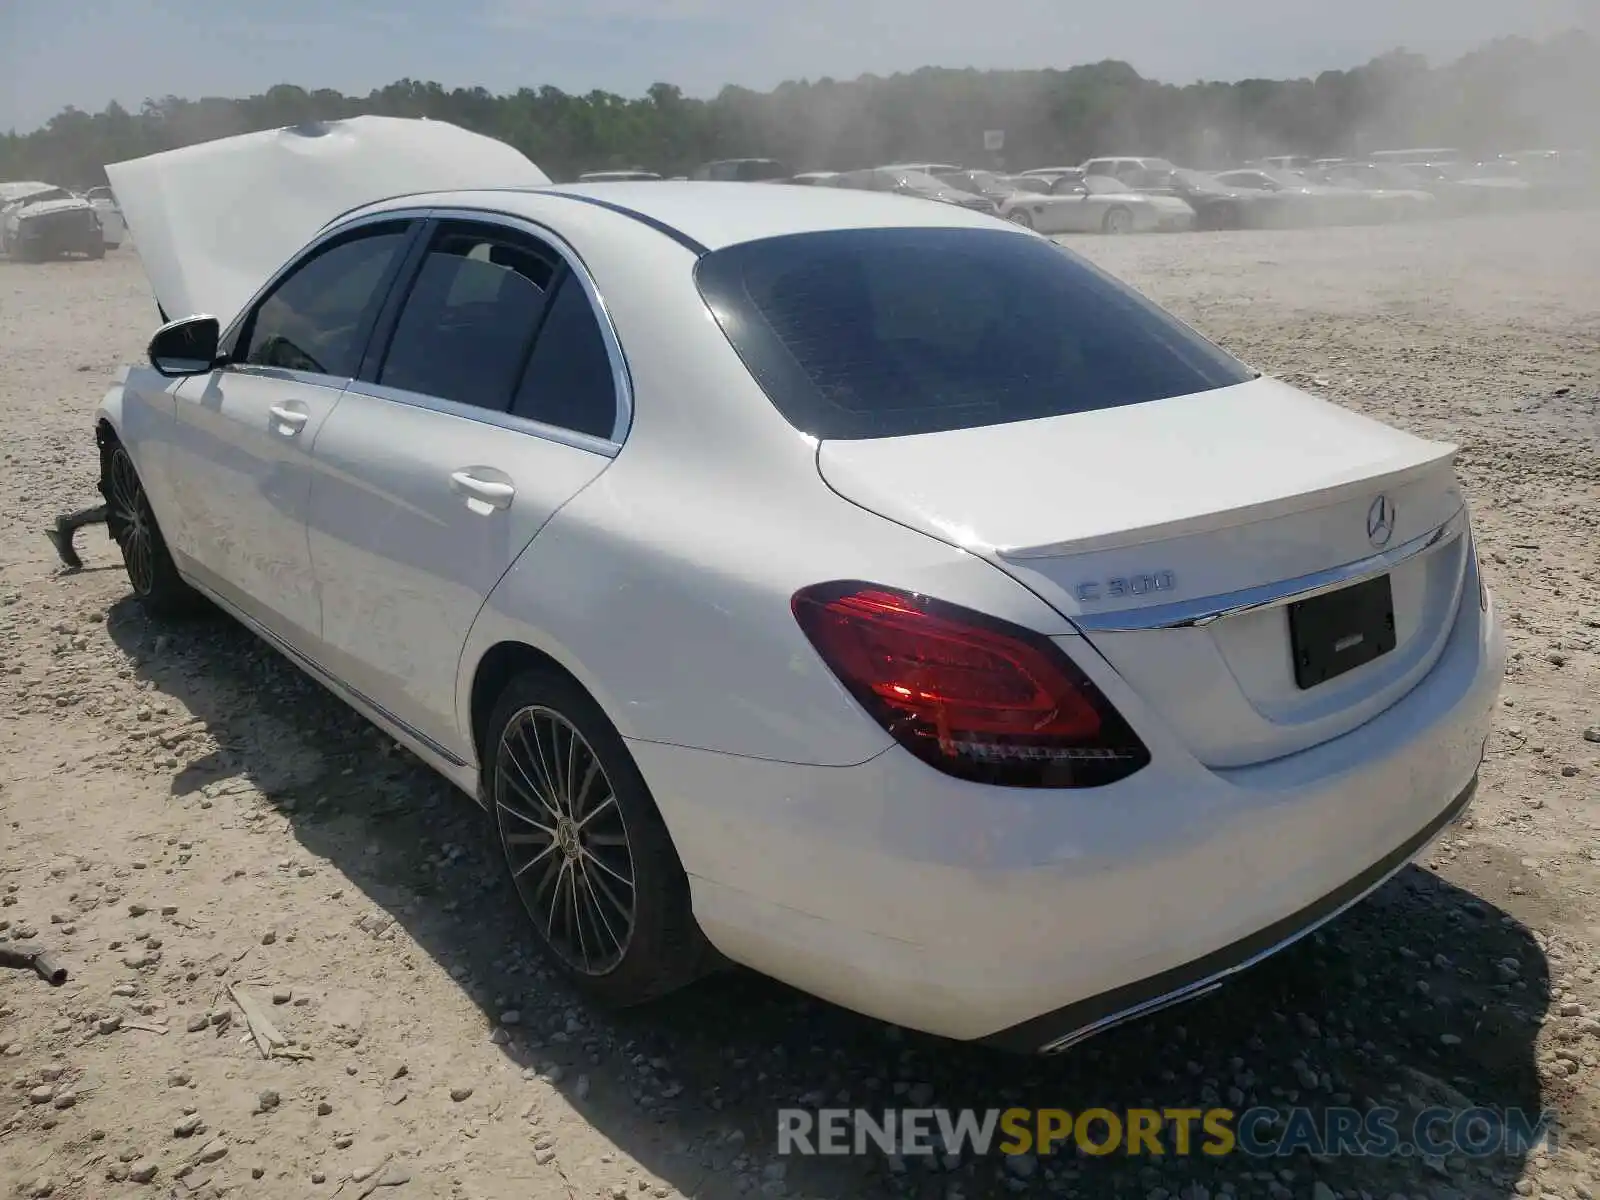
pixel 132 525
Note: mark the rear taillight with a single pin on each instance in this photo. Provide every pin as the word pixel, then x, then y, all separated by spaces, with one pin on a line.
pixel 974 696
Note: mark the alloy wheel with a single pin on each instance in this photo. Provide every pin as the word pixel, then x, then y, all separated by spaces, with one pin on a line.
pixel 565 840
pixel 131 523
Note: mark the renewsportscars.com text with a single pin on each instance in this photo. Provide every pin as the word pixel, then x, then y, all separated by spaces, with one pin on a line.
pixel 1213 1132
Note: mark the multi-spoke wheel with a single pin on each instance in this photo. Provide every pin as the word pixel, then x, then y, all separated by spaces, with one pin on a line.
pixel 133 525
pixel 566 841
pixel 1118 220
pixel 584 845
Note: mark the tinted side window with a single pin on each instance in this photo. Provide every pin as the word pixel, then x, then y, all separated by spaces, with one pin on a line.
pixel 569 383
pixel 470 317
pixel 888 332
pixel 317 318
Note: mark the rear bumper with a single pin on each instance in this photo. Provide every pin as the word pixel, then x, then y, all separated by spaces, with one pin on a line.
pixel 1064 1028
pixel 57 237
pixel 1033 918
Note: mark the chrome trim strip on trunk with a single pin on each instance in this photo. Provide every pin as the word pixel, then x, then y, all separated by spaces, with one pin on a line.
pixel 1203 610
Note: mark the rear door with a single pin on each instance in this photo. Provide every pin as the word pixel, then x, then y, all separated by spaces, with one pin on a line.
pixel 238 460
pixel 492 396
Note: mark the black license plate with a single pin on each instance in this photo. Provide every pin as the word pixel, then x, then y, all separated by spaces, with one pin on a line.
pixel 1340 631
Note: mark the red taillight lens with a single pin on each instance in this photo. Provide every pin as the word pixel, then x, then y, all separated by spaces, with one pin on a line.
pixel 971 695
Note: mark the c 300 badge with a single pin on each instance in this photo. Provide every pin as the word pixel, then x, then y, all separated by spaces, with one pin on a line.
pixel 1132 585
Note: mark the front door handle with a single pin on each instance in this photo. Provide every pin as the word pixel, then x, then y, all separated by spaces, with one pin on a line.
pixel 483 495
pixel 289 420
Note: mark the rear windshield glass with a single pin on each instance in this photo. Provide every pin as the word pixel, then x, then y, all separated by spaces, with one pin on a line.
pixel 869 333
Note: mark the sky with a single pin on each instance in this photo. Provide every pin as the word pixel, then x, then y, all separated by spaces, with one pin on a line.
pixel 88 52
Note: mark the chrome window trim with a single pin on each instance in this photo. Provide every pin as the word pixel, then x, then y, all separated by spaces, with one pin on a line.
pixel 337 383
pixel 235 326
pixel 1204 610
pixel 621 378
pixel 485 416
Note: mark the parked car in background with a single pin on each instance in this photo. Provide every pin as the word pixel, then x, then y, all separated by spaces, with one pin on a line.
pixel 1556 177
pixel 906 182
pixel 925 168
pixel 636 175
pixel 982 183
pixel 1215 205
pixel 864 592
pixel 1125 166
pixel 742 170
pixel 40 220
pixel 816 178
pixel 1039 184
pixel 1435 154
pixel 1097 204
pixel 1284 162
pixel 1390 202
pixel 1052 173
pixel 1459 188
pixel 112 227
pixel 1301 201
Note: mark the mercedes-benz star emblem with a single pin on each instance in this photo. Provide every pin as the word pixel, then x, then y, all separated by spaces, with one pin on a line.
pixel 1380 522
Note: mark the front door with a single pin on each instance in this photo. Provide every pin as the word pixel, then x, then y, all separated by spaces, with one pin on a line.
pixel 243 434
pixel 492 406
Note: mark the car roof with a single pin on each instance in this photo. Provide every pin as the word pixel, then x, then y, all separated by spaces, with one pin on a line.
pixel 24 188
pixel 711 215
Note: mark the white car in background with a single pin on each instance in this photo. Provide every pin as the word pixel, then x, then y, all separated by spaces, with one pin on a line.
pixel 1390 202
pixel 40 221
pixel 1096 204
pixel 112 226
pixel 875 592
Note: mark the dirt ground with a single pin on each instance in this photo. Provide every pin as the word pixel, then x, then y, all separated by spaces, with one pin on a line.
pixel 184 814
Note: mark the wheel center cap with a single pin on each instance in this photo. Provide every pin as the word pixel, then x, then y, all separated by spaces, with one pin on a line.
pixel 567 837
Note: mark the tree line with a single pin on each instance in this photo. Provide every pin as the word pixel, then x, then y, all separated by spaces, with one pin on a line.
pixel 1509 95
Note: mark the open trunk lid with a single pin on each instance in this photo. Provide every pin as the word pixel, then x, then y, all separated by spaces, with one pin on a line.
pixel 1175 533
pixel 215 220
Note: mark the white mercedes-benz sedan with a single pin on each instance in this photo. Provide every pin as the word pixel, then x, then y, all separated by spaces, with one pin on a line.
pixel 873 594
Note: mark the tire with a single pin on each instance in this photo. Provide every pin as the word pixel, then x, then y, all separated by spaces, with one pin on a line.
pixel 570 851
pixel 1021 217
pixel 1117 221
pixel 132 524
pixel 1227 216
pixel 96 249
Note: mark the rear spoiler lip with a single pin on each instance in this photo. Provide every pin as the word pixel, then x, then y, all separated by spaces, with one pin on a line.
pixel 1397 471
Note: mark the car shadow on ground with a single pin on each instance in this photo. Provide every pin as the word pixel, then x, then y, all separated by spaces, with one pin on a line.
pixel 1424 998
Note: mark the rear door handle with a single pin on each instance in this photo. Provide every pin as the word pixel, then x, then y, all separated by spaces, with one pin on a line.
pixel 290 421
pixel 483 495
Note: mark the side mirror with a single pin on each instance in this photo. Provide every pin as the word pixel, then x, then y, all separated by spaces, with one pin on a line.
pixel 187 347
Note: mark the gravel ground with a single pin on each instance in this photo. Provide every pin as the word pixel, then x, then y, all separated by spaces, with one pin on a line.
pixel 183 813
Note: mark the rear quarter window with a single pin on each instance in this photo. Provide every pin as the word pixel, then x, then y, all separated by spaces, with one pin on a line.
pixel 871 333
